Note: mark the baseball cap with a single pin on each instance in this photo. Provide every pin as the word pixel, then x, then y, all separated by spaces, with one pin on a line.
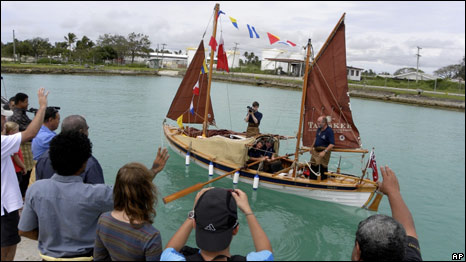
pixel 216 216
pixel 6 112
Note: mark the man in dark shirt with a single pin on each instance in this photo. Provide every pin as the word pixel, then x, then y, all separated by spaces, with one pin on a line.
pixel 380 237
pixel 323 144
pixel 253 118
pixel 93 173
pixel 19 116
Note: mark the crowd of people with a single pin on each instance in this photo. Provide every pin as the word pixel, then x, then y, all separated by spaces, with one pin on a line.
pixel 74 215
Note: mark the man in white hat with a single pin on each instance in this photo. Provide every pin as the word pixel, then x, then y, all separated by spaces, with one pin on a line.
pixel 11 198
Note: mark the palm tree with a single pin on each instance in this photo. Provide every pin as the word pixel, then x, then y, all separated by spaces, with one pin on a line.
pixel 71 38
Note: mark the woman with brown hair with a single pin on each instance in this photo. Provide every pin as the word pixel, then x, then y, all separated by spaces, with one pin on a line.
pixel 126 233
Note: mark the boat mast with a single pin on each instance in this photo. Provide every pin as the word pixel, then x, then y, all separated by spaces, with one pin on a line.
pixel 303 101
pixel 214 34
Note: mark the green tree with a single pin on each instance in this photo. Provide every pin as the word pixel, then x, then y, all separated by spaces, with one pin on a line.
pixel 70 38
pixel 138 44
pixel 40 46
pixel 461 71
pixel 83 48
pixel 117 42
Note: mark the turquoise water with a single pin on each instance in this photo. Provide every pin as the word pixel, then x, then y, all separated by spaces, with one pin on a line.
pixel 424 146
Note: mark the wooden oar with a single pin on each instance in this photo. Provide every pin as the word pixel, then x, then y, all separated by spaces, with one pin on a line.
pixel 198 186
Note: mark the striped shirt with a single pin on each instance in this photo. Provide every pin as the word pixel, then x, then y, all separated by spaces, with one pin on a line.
pixel 117 240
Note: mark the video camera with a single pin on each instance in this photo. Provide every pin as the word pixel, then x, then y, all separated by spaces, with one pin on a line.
pixel 250 109
pixel 34 110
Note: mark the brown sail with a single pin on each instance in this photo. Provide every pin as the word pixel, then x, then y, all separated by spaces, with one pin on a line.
pixel 185 95
pixel 327 93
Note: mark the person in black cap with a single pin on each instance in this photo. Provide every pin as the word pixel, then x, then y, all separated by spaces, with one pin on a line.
pixel 215 219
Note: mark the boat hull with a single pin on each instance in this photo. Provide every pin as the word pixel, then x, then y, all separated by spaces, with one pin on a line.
pixel 330 190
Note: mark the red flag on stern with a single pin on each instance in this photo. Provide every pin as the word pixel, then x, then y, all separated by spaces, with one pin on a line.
pixel 373 165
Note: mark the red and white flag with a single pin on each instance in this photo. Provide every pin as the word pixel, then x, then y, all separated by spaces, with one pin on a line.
pixel 373 165
pixel 196 88
pixel 222 60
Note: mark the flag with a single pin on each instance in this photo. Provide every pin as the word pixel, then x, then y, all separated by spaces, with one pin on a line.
pixel 373 165
pixel 285 43
pixel 234 22
pixel 213 43
pixel 179 120
pixel 222 60
pixel 204 69
pixel 196 88
pixel 252 29
pixel 219 13
pixel 272 38
pixel 191 108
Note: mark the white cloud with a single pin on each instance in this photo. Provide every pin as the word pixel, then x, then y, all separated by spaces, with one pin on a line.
pixel 382 35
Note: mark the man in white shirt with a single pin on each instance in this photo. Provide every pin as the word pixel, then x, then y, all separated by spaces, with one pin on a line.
pixel 11 199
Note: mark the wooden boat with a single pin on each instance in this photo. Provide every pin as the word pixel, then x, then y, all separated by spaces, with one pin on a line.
pixel 227 150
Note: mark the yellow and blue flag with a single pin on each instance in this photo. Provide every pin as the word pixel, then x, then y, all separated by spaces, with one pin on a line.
pixel 204 69
pixel 234 22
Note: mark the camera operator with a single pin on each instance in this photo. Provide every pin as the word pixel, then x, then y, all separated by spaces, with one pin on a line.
pixel 253 118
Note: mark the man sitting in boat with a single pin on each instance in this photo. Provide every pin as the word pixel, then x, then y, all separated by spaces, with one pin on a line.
pixel 271 165
pixel 253 118
pixel 256 153
pixel 323 144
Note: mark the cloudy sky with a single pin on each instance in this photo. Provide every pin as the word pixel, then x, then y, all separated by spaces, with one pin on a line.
pixel 382 36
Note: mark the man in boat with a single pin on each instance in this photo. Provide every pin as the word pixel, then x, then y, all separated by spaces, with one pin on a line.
pixel 271 165
pixel 320 150
pixel 215 220
pixel 93 173
pixel 380 237
pixel 253 118
pixel 257 153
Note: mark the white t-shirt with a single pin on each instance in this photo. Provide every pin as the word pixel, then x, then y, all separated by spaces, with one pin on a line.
pixel 11 194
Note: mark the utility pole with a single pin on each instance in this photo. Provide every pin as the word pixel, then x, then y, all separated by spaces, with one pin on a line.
pixel 163 47
pixel 14 47
pixel 417 67
pixel 234 53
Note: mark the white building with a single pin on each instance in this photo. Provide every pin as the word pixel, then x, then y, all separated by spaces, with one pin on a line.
pixel 232 57
pixel 354 73
pixel 282 60
pixel 164 60
pixel 412 76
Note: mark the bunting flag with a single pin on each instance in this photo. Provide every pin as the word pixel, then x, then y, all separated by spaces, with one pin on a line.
pixel 191 108
pixel 204 69
pixel 252 29
pixel 196 88
pixel 272 38
pixel 288 43
pixel 222 60
pixel 179 121
pixel 213 43
pixel 234 22
pixel 219 13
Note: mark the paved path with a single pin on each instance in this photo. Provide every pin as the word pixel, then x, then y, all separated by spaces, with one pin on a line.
pixel 27 250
